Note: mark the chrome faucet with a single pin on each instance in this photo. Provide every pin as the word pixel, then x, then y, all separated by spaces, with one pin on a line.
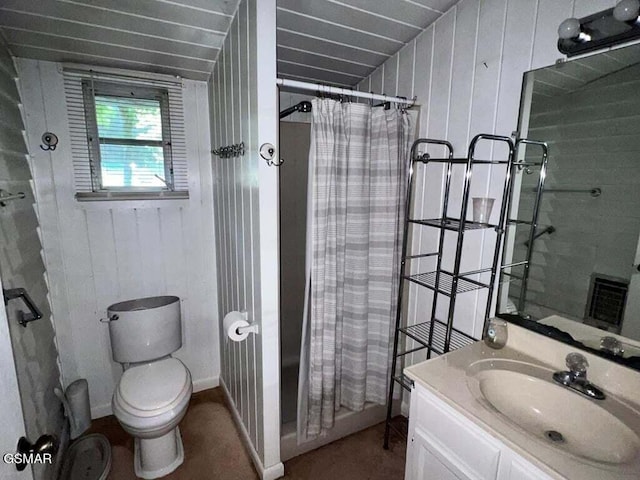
pixel 612 345
pixel 576 377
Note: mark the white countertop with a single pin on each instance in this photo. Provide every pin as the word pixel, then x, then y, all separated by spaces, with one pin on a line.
pixel 446 376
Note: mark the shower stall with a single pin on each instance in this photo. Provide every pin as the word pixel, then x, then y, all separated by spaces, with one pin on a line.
pixel 294 141
pixel 294 149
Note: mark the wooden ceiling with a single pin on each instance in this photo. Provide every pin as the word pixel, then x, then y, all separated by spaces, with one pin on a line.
pixel 342 41
pixel 179 37
pixel 329 41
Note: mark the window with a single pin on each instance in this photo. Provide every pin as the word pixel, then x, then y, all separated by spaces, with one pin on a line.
pixel 127 137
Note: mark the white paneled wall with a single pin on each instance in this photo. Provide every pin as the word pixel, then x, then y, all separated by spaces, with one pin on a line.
pixel 22 266
pixel 244 108
pixel 466 69
pixel 99 253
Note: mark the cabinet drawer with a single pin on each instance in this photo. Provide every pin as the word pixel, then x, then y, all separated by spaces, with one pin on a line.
pixel 454 439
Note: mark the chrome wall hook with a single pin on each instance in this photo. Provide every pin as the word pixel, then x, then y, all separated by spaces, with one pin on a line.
pixel 50 141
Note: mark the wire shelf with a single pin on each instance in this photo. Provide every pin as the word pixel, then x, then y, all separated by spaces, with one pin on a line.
pixel 446 282
pixel 420 333
pixel 405 381
pixel 449 223
pixel 459 161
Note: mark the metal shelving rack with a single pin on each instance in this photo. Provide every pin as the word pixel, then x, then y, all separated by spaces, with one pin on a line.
pixel 436 335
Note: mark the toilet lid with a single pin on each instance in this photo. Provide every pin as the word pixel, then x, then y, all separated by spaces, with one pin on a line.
pixel 154 385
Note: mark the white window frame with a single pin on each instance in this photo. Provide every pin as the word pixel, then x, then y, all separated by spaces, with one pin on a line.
pixel 92 89
pixel 81 84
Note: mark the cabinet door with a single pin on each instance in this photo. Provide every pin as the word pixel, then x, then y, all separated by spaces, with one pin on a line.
pixel 424 464
pixel 458 443
pixel 514 467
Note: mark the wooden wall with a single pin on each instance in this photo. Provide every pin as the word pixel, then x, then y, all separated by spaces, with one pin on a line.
pixel 22 266
pixel 98 253
pixel 466 69
pixel 244 108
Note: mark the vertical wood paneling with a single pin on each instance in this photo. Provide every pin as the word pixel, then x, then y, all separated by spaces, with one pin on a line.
pixel 28 354
pixel 376 80
pixel 243 85
pixel 550 14
pixel 405 72
pixel 244 109
pixel 103 252
pixel 467 73
pixel 422 73
pixel 390 75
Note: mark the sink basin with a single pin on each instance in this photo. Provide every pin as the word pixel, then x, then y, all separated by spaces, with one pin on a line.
pixel 527 396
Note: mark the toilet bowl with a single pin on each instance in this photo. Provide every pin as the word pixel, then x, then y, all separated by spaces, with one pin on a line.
pixel 149 402
pixel 153 393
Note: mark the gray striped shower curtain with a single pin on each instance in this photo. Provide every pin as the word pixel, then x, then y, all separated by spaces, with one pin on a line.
pixel 358 165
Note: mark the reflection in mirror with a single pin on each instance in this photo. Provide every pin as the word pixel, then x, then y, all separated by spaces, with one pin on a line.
pixel 582 283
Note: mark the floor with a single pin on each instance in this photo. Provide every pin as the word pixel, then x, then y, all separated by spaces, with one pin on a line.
pixel 213 450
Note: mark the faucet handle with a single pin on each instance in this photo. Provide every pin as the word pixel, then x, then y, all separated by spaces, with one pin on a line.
pixel 577 364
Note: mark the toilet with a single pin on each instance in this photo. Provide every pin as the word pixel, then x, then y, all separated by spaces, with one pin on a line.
pixel 153 392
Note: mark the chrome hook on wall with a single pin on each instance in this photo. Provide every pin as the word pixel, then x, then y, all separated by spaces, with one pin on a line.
pixel 268 152
pixel 50 140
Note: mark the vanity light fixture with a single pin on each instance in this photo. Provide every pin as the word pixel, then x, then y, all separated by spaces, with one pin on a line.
pixel 600 30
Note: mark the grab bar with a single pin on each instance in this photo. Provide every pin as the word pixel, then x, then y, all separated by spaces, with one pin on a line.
pixel 550 229
pixel 6 197
pixel 594 192
pixel 23 318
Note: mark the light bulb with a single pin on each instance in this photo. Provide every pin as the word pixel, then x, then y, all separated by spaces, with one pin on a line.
pixel 570 28
pixel 627 10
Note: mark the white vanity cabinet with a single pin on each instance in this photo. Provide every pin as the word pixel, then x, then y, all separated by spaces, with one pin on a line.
pixel 445 445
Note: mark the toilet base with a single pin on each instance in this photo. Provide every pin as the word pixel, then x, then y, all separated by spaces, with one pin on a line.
pixel 157 457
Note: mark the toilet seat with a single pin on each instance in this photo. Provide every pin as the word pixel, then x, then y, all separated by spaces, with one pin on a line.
pixel 155 388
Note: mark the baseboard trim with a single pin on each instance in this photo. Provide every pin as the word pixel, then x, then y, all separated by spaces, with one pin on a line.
pixel 206 383
pixel 100 411
pixel 271 473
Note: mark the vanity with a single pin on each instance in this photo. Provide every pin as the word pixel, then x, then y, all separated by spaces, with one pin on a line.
pixel 561 398
pixel 485 413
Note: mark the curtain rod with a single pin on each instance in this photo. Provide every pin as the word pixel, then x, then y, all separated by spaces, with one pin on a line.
pixel 318 87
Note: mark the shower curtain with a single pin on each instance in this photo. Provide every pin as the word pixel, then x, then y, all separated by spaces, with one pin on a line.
pixel 358 162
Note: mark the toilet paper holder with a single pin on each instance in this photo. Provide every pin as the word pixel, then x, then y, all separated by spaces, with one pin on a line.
pixel 251 328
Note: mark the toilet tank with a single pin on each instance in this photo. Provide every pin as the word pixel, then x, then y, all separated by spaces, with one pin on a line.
pixel 145 329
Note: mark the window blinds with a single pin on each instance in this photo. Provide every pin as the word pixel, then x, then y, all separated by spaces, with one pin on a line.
pixel 86 175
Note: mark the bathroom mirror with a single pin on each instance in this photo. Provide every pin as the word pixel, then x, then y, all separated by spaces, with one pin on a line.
pixel 583 281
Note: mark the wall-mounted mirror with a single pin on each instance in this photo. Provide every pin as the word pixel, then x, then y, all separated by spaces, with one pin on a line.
pixel 583 278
